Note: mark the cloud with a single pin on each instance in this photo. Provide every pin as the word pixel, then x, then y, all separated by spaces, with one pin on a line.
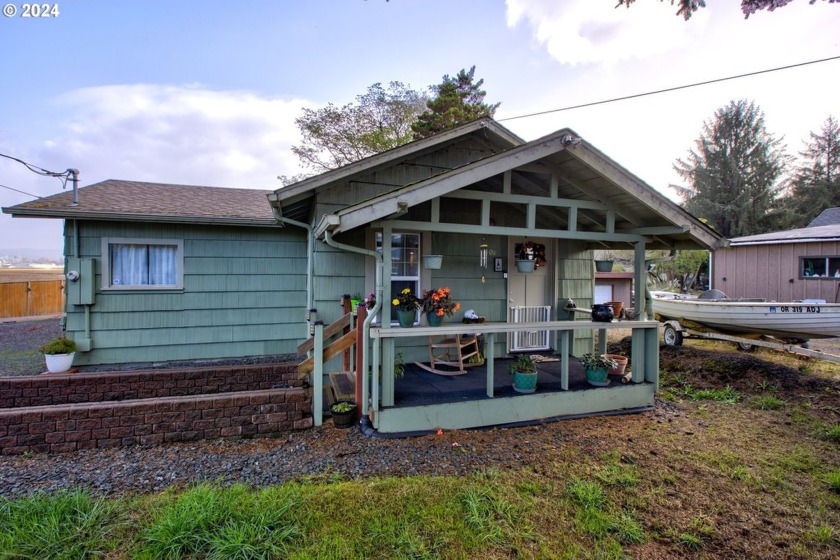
pixel 583 32
pixel 178 134
pixel 158 133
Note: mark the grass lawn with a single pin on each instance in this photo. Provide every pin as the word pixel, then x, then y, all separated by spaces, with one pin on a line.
pixel 742 460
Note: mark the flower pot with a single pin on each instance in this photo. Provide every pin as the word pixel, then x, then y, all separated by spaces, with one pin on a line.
pixel 618 369
pixel 617 307
pixel 57 363
pixel 406 317
pixel 434 319
pixel 432 262
pixel 596 376
pixel 603 266
pixel 526 266
pixel 524 382
pixel 602 313
pixel 344 419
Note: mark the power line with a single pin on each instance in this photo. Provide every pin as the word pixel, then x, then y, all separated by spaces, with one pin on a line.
pixel 613 100
pixel 63 176
pixel 20 191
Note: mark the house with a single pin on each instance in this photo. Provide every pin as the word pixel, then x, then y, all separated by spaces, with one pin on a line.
pixel 168 272
pixel 792 265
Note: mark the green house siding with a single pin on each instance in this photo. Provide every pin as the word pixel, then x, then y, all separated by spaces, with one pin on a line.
pixel 244 294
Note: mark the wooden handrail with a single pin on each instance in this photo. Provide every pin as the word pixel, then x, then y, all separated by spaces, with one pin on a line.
pixel 329 331
pixel 334 349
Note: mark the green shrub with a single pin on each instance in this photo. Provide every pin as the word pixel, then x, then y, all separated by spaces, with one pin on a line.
pixel 61 345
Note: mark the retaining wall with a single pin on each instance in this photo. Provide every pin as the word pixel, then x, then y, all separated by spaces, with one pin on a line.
pixel 149 407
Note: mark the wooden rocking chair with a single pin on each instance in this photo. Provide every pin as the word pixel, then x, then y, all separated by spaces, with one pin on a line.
pixel 452 352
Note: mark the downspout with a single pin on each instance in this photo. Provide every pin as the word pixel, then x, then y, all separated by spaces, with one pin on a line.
pixel 310 257
pixel 371 313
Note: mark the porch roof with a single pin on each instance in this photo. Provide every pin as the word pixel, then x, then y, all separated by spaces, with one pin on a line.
pixel 591 198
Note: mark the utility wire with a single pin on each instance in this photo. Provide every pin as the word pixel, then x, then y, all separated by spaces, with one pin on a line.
pixel 613 100
pixel 64 175
pixel 20 191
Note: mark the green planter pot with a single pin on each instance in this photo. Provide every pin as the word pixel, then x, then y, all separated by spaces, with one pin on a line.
pixel 434 319
pixel 406 318
pixel 524 382
pixel 603 266
pixel 596 376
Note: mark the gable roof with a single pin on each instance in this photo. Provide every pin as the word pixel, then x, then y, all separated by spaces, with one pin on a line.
pixel 589 181
pixel 293 200
pixel 156 202
pixel 829 216
pixel 801 235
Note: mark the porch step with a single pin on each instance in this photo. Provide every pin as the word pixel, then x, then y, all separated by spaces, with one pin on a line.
pixel 343 385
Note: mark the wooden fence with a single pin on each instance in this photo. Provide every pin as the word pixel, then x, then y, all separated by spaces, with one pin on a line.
pixel 32 298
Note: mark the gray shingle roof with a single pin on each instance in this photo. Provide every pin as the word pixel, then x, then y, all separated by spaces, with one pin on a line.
pixel 818 233
pixel 829 216
pixel 135 200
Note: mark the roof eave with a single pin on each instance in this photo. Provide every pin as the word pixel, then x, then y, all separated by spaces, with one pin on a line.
pixel 112 216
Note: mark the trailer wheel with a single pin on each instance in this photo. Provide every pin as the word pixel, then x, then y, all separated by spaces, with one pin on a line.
pixel 671 336
pixel 745 346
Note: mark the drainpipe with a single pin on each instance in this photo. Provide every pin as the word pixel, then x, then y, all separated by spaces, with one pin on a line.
pixel 310 257
pixel 371 314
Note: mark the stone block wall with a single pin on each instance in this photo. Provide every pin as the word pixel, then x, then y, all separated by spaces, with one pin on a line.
pixel 100 423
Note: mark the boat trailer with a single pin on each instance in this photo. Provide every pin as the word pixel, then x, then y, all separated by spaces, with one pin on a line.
pixel 673 334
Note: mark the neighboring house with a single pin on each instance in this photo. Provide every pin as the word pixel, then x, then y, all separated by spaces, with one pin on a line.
pixel 791 265
pixel 230 273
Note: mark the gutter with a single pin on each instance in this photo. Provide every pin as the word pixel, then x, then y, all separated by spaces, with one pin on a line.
pixel 371 313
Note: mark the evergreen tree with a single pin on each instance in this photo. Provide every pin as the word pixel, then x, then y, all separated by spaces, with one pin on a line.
pixel 379 120
pixel 816 182
pixel 456 101
pixel 733 174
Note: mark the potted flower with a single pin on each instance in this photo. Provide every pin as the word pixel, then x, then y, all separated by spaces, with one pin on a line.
pixel 344 414
pixel 620 364
pixel 524 372
pixel 595 367
pixel 438 304
pixel 58 354
pixel 370 301
pixel 406 304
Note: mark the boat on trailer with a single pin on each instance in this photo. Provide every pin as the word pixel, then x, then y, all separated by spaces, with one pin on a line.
pixel 746 322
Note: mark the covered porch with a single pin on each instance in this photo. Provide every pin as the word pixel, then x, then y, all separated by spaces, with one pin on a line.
pixel 422 401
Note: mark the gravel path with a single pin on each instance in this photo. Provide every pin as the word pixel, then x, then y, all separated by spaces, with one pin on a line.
pixel 19 342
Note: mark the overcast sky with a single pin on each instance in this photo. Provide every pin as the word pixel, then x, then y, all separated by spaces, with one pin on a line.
pixel 205 92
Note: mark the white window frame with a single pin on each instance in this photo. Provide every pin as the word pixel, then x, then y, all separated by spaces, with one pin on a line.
pixel 377 242
pixel 106 263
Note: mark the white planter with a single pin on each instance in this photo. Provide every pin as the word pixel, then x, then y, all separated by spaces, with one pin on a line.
pixel 57 363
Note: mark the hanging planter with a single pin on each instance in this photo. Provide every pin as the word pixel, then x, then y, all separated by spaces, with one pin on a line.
pixel 603 266
pixel 432 262
pixel 526 266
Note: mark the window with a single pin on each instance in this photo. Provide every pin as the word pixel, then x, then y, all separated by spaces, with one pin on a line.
pixel 142 264
pixel 405 262
pixel 819 267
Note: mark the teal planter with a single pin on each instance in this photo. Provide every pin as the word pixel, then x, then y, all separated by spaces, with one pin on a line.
pixel 434 319
pixel 406 317
pixel 524 382
pixel 596 376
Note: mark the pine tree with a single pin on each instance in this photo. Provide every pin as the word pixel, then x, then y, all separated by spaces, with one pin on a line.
pixel 456 101
pixel 733 175
pixel 816 182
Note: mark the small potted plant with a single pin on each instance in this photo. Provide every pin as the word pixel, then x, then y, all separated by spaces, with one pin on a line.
pixel 438 304
pixel 406 304
pixel 344 414
pixel 59 353
pixel 595 366
pixel 524 372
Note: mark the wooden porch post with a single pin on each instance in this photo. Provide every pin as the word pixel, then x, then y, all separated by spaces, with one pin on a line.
pixel 318 376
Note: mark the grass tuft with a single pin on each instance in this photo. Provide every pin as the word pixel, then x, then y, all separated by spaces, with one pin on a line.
pixel 833 479
pixel 67 524
pixel 767 402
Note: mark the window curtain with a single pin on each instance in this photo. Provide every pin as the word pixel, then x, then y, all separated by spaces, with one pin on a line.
pixel 143 265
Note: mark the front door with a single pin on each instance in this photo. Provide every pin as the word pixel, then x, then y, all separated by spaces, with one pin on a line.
pixel 530 296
